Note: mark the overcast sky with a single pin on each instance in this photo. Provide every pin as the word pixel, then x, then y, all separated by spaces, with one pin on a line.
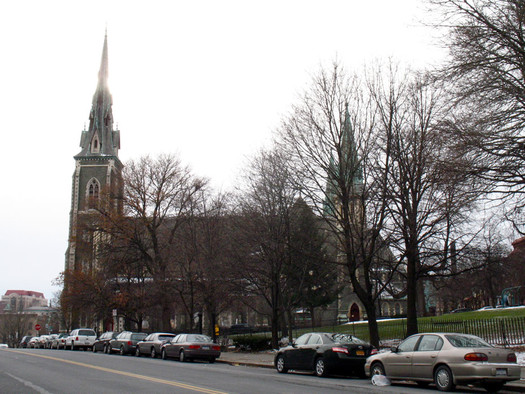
pixel 207 80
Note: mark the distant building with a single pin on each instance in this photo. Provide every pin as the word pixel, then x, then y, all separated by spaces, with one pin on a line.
pixel 22 301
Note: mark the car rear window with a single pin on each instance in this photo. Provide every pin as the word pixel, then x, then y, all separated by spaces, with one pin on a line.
pixel 345 338
pixel 138 337
pixel 466 341
pixel 198 338
pixel 87 332
pixel 166 337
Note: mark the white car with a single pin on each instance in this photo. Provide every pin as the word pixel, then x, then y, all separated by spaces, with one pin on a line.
pixel 3 346
pixel 80 338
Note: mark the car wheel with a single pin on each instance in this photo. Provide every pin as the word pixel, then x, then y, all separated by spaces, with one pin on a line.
pixel 443 378
pixel 182 356
pixel 153 353
pixel 377 369
pixel 211 360
pixel 279 364
pixel 137 352
pixel 94 349
pixel 320 367
pixel 163 355
pixel 121 351
pixel 492 387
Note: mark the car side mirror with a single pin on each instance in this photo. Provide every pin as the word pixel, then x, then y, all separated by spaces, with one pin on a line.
pixel 394 349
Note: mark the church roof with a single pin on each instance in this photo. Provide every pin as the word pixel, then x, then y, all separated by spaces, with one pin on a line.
pixel 100 140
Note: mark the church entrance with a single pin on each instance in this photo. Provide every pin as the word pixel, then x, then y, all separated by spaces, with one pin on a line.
pixel 354 312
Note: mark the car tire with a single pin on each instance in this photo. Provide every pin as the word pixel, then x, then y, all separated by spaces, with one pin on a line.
pixel 443 378
pixel 320 367
pixel 137 352
pixel 94 349
pixel 121 351
pixel 493 387
pixel 280 366
pixel 211 360
pixel 163 355
pixel 153 353
pixel 377 369
pixel 182 356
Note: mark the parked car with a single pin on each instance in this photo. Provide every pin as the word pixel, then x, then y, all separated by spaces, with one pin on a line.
pixel 59 341
pixel 126 342
pixel 50 339
pixel 34 343
pixel 187 347
pixel 42 342
pixel 446 359
pixel 325 353
pixel 25 341
pixel 152 344
pixel 3 346
pixel 102 342
pixel 80 338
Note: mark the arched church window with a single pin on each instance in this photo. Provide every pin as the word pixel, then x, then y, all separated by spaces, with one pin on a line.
pixel 93 191
pixel 95 144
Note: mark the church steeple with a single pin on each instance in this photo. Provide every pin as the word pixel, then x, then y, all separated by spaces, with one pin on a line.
pixel 100 139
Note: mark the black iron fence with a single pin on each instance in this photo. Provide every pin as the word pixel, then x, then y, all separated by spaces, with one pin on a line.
pixel 500 331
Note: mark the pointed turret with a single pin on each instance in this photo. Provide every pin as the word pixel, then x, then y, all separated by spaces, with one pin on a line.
pixel 100 139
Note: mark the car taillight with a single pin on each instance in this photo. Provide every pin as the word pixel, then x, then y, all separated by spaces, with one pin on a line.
pixel 76 339
pixel 193 347
pixel 511 358
pixel 373 351
pixel 130 343
pixel 476 357
pixel 338 349
pixel 218 348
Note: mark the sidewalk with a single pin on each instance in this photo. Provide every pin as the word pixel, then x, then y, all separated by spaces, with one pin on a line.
pixel 265 360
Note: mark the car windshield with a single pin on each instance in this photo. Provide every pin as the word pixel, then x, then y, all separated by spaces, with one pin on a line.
pixel 346 338
pixel 198 338
pixel 466 341
pixel 86 332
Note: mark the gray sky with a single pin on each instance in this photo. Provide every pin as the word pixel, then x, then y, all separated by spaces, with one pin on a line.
pixel 208 80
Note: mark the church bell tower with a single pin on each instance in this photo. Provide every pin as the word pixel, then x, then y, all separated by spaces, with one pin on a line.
pixel 98 172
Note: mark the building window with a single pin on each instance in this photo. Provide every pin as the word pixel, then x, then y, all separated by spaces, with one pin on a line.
pixel 93 191
pixel 95 144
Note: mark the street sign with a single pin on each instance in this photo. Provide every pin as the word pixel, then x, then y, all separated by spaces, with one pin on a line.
pixel 37 327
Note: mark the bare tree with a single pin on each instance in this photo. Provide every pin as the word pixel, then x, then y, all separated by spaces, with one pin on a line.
pixel 157 197
pixel 486 77
pixel 336 168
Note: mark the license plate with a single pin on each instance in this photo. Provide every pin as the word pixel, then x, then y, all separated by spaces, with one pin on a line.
pixel 206 347
pixel 360 353
pixel 501 371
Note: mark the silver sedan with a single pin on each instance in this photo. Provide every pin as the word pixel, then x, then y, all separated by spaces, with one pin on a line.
pixel 446 359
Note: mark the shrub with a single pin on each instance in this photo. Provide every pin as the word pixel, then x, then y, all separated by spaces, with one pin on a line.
pixel 252 342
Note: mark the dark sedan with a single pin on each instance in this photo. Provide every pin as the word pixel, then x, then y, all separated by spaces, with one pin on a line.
pixel 188 347
pixel 325 353
pixel 102 342
pixel 126 342
pixel 152 343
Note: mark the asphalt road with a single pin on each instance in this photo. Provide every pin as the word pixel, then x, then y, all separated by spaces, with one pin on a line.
pixel 59 371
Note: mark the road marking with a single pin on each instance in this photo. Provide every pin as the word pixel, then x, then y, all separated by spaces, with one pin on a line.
pixel 38 389
pixel 132 375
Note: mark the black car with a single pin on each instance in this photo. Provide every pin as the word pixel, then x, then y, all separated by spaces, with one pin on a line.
pixel 325 353
pixel 152 343
pixel 102 342
pixel 25 340
pixel 126 342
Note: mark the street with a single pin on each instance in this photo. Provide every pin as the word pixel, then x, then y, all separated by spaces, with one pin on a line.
pixel 58 371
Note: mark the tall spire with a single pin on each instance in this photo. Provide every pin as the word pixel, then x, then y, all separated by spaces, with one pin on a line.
pixel 100 139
